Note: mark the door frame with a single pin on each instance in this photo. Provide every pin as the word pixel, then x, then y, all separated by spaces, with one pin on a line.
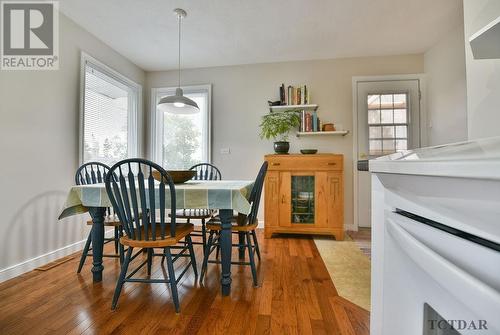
pixel 423 123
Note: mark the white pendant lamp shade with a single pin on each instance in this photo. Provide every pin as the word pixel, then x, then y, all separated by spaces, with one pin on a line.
pixel 178 103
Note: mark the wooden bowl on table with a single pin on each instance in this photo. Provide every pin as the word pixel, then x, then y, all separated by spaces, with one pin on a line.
pixel 178 176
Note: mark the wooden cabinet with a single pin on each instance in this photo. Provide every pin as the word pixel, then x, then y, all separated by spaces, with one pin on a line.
pixel 304 194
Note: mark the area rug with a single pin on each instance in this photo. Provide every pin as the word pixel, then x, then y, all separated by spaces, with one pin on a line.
pixel 348 267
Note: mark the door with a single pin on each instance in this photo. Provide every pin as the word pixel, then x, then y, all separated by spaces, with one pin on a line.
pixel 388 120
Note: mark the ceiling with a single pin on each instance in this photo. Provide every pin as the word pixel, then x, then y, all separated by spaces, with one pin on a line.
pixel 229 32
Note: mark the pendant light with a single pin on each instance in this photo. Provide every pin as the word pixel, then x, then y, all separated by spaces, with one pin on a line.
pixel 178 103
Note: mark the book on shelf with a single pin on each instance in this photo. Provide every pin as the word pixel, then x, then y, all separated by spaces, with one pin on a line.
pixel 309 122
pixel 292 95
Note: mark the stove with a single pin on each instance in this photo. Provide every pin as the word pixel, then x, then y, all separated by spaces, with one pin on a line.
pixel 436 240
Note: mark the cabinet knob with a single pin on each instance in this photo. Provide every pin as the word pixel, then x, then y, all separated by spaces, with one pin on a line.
pixel 276 164
pixel 332 163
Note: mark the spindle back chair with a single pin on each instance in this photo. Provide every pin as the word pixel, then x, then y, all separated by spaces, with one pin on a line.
pixel 95 173
pixel 137 198
pixel 204 171
pixel 241 224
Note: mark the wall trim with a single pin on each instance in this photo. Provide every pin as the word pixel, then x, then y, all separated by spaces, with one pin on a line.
pixel 31 264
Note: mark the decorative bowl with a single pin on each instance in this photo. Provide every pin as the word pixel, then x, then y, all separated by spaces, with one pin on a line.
pixel 178 176
pixel 308 151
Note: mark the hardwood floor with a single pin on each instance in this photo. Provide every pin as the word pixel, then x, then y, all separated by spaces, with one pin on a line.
pixel 296 296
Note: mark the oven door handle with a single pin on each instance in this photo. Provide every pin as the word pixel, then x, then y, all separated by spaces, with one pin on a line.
pixel 479 297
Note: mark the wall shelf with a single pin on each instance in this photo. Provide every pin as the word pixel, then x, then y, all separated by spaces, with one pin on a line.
pixel 323 133
pixel 285 108
pixel 485 44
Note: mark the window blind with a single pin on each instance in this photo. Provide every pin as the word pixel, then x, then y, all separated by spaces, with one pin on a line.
pixel 107 104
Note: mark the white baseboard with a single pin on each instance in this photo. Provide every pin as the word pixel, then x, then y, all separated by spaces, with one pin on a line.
pixel 31 264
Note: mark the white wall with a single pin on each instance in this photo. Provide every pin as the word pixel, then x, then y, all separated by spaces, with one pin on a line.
pixel 444 66
pixel 483 76
pixel 240 95
pixel 39 120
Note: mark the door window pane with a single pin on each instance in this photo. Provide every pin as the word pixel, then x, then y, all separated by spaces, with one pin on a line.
pixel 388 131
pixel 401 131
pixel 375 132
pixel 373 116
pixel 400 116
pixel 400 101
pixel 401 145
pixel 387 116
pixel 393 115
pixel 386 101
pixel 388 145
pixel 374 101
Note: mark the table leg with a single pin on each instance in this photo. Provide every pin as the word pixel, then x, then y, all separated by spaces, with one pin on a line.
pixel 225 248
pixel 97 214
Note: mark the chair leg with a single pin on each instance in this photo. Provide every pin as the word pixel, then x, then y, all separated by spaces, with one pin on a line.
pixel 85 252
pixel 252 260
pixel 119 283
pixel 191 254
pixel 121 249
pixel 171 277
pixel 117 237
pixel 256 243
pixel 206 255
pixel 150 260
pixel 203 235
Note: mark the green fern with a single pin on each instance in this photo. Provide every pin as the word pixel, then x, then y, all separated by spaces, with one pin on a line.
pixel 277 125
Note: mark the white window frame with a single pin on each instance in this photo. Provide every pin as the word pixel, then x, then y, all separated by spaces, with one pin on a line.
pixel 157 119
pixel 133 121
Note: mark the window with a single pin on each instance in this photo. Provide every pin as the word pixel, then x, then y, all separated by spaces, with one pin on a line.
pixel 181 141
pixel 387 123
pixel 109 107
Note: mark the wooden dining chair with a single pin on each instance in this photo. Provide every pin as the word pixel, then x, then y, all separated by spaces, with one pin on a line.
pixel 94 173
pixel 245 224
pixel 140 203
pixel 204 171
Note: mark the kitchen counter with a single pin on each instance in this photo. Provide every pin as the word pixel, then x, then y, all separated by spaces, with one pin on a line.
pixel 479 159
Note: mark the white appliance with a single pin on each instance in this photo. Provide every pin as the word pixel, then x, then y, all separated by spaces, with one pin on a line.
pixel 436 240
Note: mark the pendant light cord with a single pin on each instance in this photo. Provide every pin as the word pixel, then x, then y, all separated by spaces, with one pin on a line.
pixel 179 55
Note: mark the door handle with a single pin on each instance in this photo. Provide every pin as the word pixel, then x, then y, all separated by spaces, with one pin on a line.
pixel 332 163
pixel 283 199
pixel 276 164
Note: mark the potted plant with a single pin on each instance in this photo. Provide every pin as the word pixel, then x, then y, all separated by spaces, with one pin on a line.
pixel 277 126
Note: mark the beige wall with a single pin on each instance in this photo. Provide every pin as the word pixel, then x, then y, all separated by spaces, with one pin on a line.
pixel 39 125
pixel 444 67
pixel 240 95
pixel 483 76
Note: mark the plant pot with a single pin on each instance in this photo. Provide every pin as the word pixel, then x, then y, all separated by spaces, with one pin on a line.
pixel 281 147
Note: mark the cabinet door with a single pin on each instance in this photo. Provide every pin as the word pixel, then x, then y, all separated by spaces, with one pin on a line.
pixel 303 207
pixel 322 199
pixel 284 199
pixel 272 198
pixel 335 200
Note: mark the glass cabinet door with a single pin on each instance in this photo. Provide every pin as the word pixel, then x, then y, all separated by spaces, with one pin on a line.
pixel 302 199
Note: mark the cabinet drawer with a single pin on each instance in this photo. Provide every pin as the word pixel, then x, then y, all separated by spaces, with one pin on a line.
pixel 302 163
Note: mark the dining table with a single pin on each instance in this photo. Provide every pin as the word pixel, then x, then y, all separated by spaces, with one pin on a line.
pixel 226 196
